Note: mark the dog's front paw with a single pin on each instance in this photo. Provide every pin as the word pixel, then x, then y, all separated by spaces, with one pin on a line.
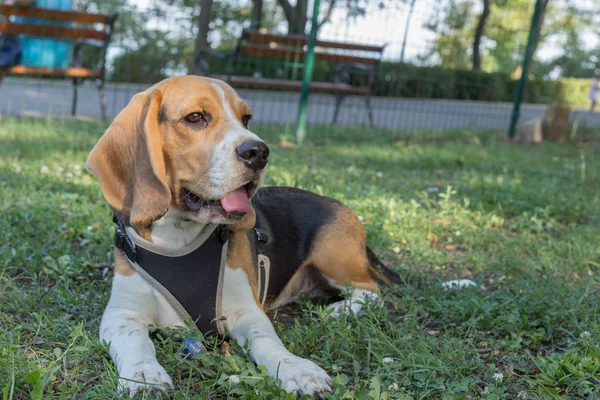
pixel 301 376
pixel 144 376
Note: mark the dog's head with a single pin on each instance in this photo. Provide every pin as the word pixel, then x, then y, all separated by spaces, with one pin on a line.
pixel 184 142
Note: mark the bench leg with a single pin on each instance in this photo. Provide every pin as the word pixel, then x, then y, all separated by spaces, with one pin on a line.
pixel 339 98
pixel 100 85
pixel 75 96
pixel 369 110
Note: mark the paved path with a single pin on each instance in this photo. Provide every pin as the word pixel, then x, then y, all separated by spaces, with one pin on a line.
pixel 47 97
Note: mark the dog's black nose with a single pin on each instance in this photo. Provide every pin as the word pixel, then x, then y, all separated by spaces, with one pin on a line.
pixel 253 153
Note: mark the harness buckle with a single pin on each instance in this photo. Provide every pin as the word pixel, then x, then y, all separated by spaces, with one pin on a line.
pixel 124 243
pixel 261 235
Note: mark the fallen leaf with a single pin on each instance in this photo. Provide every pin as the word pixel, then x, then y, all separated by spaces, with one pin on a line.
pixel 286 144
pixel 433 239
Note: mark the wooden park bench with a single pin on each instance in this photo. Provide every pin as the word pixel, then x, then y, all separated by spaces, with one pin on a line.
pixel 343 61
pixel 85 29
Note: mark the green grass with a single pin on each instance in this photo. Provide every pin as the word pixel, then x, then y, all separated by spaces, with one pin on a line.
pixel 523 221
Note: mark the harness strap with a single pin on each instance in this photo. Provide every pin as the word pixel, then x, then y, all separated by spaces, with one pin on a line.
pixel 263 264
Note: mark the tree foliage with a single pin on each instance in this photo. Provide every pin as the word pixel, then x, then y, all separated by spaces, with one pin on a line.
pixel 452 21
pixel 489 35
pixel 492 35
pixel 567 27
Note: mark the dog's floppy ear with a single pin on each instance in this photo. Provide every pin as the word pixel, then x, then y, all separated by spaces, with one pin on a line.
pixel 128 161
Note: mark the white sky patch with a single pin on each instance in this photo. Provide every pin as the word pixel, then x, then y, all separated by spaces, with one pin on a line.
pixel 384 26
pixel 387 25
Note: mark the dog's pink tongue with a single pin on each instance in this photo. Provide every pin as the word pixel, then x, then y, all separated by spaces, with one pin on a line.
pixel 236 201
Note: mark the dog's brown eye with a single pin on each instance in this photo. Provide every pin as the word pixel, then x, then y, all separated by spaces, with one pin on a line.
pixel 193 118
pixel 246 120
pixel 199 120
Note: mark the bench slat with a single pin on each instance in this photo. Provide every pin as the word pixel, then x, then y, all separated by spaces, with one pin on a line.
pixel 55 15
pixel 69 72
pixel 301 41
pixel 60 32
pixel 299 56
pixel 262 83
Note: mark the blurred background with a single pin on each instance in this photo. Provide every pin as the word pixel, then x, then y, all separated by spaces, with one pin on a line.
pixel 434 64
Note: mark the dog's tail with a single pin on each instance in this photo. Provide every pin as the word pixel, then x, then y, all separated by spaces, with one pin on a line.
pixel 380 272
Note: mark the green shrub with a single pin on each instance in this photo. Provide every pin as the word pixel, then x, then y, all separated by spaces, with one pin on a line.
pixel 436 82
pixel 572 91
pixel 568 91
pixel 394 80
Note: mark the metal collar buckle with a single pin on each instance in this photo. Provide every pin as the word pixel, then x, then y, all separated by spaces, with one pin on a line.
pixel 124 243
pixel 261 235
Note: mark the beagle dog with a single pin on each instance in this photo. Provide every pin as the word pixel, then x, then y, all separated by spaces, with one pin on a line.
pixel 176 164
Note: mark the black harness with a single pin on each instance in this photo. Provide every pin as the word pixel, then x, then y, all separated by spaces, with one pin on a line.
pixel 193 280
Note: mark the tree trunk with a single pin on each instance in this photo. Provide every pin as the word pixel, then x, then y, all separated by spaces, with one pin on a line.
pixel 536 42
pixel 257 6
pixel 288 12
pixel 295 16
pixel 479 34
pixel 200 66
pixel 301 18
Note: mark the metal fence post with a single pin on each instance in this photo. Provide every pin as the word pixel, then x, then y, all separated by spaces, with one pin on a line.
pixel 524 70
pixel 309 66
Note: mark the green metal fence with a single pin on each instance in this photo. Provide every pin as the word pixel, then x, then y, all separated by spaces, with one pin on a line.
pixel 429 74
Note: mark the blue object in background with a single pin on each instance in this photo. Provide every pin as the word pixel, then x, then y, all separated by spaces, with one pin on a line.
pixel 46 52
pixel 10 51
